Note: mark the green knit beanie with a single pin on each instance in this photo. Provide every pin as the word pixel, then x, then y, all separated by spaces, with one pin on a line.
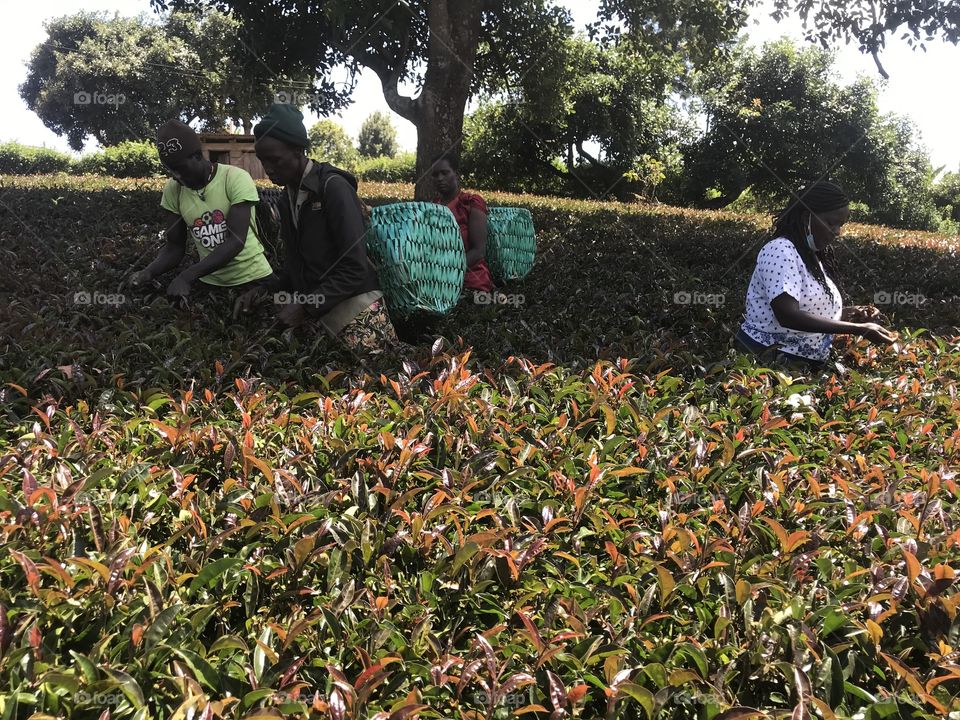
pixel 283 122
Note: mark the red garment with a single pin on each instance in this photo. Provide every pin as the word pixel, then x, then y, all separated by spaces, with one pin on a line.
pixel 478 276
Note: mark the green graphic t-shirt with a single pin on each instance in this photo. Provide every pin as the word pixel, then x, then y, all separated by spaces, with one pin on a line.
pixel 206 220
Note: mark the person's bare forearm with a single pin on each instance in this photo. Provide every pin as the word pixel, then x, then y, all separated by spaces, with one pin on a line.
pixel 171 254
pixel 808 322
pixel 474 256
pixel 477 233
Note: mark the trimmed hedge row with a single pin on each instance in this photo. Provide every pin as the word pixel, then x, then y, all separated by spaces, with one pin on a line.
pixel 128 160
pixel 17 159
pixel 629 268
pixel 399 169
pixel 133 159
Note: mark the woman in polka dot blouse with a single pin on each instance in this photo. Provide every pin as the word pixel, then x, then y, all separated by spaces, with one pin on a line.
pixel 793 307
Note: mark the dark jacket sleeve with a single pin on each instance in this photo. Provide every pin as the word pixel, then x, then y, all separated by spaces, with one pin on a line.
pixel 347 274
pixel 283 278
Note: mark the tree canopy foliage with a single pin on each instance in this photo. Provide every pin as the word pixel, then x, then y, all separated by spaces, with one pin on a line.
pixel 329 142
pixel 453 50
pixel 777 118
pixel 378 136
pixel 870 23
pixel 117 78
pixel 609 96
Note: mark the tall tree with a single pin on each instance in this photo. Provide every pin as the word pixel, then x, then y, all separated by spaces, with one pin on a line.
pixel 776 118
pixel 378 136
pixel 612 96
pixel 869 23
pixel 329 142
pixel 452 49
pixel 118 78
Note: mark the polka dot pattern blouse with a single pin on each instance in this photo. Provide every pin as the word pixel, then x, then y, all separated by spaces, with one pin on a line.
pixel 779 270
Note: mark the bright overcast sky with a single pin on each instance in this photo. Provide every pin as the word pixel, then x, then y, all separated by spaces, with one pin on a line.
pixel 919 85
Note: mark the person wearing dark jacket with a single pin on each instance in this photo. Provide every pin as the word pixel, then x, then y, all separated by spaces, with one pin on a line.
pixel 326 275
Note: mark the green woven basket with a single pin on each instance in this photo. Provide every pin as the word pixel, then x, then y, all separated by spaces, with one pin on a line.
pixel 511 244
pixel 418 251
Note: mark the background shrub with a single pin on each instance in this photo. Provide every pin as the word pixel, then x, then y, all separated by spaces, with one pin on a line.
pixel 400 168
pixel 330 143
pixel 128 159
pixel 17 159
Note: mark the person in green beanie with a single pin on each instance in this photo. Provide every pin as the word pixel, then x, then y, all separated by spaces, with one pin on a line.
pixel 216 205
pixel 327 280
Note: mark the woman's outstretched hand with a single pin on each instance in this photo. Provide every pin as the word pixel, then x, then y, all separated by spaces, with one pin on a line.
pixel 877 334
pixel 861 314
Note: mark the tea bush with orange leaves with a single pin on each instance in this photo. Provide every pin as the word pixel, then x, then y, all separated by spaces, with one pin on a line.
pixel 205 518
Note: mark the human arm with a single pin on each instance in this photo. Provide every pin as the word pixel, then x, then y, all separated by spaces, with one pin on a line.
pixel 347 274
pixel 860 313
pixel 170 255
pixel 787 310
pixel 477 229
pixel 281 279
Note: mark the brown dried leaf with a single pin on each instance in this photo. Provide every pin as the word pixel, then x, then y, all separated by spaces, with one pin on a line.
pixel 29 569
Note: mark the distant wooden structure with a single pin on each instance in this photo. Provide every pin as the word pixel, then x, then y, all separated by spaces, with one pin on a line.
pixel 230 149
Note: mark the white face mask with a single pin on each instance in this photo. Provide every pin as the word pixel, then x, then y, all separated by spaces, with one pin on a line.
pixel 811 243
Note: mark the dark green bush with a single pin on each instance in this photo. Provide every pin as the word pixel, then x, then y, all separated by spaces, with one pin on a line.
pixel 130 159
pixel 946 196
pixel 401 168
pixel 17 159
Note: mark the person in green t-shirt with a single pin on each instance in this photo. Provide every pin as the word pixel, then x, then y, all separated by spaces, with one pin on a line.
pixel 216 205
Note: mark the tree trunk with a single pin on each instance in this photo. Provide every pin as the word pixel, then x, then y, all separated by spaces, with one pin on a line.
pixel 439 131
pixel 454 36
pixel 438 111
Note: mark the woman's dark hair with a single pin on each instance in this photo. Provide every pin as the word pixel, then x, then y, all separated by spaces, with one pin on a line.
pixel 821 196
pixel 452 160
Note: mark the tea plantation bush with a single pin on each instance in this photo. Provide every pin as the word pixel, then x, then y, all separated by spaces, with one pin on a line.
pixel 580 505
pixel 17 159
pixel 129 159
pixel 401 168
